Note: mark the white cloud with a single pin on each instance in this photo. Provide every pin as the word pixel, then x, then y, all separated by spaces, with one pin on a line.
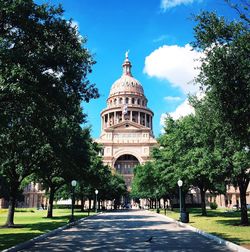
pixel 172 98
pixel 176 64
pixel 182 110
pixel 167 4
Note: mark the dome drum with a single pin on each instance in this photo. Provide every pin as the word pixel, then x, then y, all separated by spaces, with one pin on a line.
pixel 131 100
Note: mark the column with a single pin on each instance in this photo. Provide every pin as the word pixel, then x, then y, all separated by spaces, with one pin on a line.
pixel 145 120
pixel 131 112
pixel 139 117
pixel 115 118
pixel 105 122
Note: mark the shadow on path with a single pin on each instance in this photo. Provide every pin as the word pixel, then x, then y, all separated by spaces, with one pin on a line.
pixel 127 231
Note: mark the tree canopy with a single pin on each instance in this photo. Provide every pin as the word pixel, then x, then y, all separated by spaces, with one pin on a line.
pixel 43 80
pixel 225 76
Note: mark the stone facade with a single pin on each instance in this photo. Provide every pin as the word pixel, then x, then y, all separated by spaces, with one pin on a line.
pixel 34 196
pixel 127 128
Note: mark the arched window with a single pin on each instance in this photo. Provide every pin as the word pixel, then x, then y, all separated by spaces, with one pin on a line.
pixel 114 101
pixel 126 101
pixel 120 101
pixel 133 100
pixel 138 101
pixel 142 103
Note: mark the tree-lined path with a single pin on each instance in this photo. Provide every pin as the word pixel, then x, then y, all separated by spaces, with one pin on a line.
pixel 127 231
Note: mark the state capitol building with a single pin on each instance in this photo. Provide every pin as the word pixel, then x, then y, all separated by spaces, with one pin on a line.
pixel 126 125
pixel 127 139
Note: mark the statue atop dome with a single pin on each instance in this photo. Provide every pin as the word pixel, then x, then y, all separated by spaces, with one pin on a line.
pixel 127 65
pixel 126 54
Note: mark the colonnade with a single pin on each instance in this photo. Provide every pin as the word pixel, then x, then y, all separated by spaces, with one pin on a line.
pixel 111 118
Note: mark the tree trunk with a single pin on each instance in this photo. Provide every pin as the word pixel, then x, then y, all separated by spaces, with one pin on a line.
pixel 171 204
pixel 203 202
pixel 244 217
pixel 12 204
pixel 51 200
pixel 89 203
pixel 11 211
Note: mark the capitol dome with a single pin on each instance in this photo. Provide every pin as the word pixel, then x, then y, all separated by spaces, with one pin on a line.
pixel 127 84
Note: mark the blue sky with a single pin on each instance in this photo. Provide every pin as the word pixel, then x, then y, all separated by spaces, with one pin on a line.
pixel 157 34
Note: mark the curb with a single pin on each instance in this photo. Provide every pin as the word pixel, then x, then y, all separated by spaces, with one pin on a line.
pixel 26 244
pixel 229 244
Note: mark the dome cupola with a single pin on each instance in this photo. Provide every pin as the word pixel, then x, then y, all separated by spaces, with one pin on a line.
pixel 126 84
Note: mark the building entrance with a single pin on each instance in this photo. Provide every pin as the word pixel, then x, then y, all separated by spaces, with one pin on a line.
pixel 125 166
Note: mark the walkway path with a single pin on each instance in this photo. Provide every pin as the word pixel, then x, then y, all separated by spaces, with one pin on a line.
pixel 127 231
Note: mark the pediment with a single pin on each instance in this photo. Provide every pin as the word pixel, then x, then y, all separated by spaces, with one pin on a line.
pixel 127 125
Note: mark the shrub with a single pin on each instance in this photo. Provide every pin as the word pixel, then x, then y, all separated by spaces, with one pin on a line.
pixel 213 205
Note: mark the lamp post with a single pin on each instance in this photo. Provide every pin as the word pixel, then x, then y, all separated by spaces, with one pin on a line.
pixel 73 184
pixel 180 183
pixel 96 192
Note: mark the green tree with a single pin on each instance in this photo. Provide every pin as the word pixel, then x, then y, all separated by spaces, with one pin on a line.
pixel 225 77
pixel 145 183
pixel 43 79
pixel 166 164
pixel 117 188
pixel 204 167
pixel 188 152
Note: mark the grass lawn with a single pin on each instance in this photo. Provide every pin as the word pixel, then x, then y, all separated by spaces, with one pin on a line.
pixel 31 223
pixel 218 222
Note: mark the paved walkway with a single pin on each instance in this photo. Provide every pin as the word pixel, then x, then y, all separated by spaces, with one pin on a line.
pixel 127 231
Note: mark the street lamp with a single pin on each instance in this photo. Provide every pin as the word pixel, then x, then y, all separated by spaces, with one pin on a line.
pixel 96 192
pixel 73 184
pixel 180 183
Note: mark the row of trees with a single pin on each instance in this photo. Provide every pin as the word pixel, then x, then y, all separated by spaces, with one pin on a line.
pixel 43 81
pixel 211 148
